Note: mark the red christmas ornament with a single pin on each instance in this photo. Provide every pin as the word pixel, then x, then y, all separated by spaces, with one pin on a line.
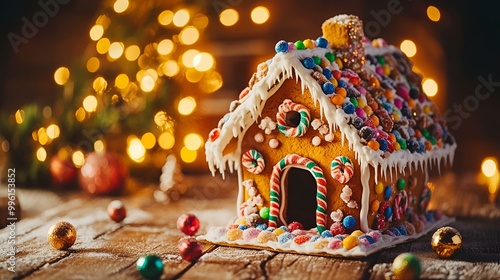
pixel 214 134
pixel 188 224
pixel 102 173
pixel 62 171
pixel 116 211
pixel 190 249
pixel 294 225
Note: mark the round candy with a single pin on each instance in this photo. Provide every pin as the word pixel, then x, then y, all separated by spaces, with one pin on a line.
pixel 266 236
pixel 299 45
pixel 150 266
pixel 61 235
pixel 321 42
pixel 294 226
pixel 337 228
pixel 446 241
pixel 401 184
pixel 281 47
pixel 349 222
pixel 264 213
pixel 116 211
pixel 317 60
pixel 350 242
pixel 308 63
pixel 328 88
pixel 190 249
pixel 406 266
pixel 234 234
pixel 285 237
pixel 188 224
pixel 379 187
pixel 308 43
pixel 348 108
pixel 331 57
pixel 383 145
pixel 327 73
pixel 387 192
pixel 388 212
pixel 342 84
pixel 301 239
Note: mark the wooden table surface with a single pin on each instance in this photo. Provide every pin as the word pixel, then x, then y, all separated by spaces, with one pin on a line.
pixel 108 250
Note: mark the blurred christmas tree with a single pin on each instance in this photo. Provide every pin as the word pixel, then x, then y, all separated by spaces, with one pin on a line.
pixel 138 77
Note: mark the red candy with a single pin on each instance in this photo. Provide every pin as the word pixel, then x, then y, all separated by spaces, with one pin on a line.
pixel 190 249
pixel 116 211
pixel 301 239
pixel 336 74
pixel 214 134
pixel 337 228
pixel 244 93
pixel 294 225
pixel 188 224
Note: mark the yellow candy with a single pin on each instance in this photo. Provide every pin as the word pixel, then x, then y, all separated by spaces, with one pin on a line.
pixel 241 221
pixel 350 242
pixel 379 188
pixel 334 82
pixel 308 43
pixel 361 102
pixel 357 233
pixel 395 116
pixel 234 234
pixel 321 244
pixel 266 236
pixel 387 69
pixel 339 63
pixel 397 147
pixel 278 231
pixel 427 109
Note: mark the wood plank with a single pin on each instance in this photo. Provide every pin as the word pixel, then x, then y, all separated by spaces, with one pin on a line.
pixel 231 263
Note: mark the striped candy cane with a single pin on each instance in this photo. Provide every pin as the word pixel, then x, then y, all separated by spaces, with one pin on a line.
pixel 275 192
pixel 305 119
pixel 253 161
pixel 342 169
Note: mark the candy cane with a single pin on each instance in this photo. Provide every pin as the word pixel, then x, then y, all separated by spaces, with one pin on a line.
pixel 342 169
pixel 275 183
pixel 400 204
pixel 253 161
pixel 305 119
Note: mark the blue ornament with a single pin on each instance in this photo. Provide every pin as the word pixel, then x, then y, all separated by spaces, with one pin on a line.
pixel 328 88
pixel 308 63
pixel 349 222
pixel 387 192
pixel 150 266
pixel 383 145
pixel 281 47
pixel 342 83
pixel 321 42
pixel 388 213
pixel 327 73
pixel 348 108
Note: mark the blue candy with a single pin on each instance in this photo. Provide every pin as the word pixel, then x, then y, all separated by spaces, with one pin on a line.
pixel 388 213
pixel 421 147
pixel 395 230
pixel 242 227
pixel 328 88
pixel 348 108
pixel 284 228
pixel 281 47
pixel 349 222
pixel 327 73
pixel 367 237
pixel 342 83
pixel 383 145
pixel 314 238
pixel 402 229
pixel 326 234
pixel 339 236
pixel 308 63
pixel 261 226
pixel 387 192
pixel 285 237
pixel 321 42
pixel 396 133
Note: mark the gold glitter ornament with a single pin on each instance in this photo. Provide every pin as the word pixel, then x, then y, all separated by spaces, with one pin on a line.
pixel 61 235
pixel 445 241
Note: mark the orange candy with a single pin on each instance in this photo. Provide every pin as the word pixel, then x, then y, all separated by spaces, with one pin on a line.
pixel 374 82
pixel 375 120
pixel 440 143
pixel 418 134
pixel 368 110
pixel 337 99
pixel 341 91
pixel 375 205
pixel 392 138
pixel 374 145
pixel 428 145
pixel 389 94
pixel 411 103
pixel 387 69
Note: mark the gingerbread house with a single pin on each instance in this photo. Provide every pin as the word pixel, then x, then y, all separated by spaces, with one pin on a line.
pixel 332 136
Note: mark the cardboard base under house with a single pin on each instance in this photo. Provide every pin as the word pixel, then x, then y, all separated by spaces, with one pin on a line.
pixel 316 244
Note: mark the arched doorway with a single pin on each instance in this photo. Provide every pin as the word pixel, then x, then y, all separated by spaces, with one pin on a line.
pixel 299 197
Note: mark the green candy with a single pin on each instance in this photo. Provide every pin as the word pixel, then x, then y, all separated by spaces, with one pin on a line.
pixel 380 59
pixel 402 144
pixel 317 60
pixel 150 266
pixel 425 133
pixel 432 140
pixel 264 213
pixel 354 102
pixel 299 45
pixel 401 184
pixel 330 56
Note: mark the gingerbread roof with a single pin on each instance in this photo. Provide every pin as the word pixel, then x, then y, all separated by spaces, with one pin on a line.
pixel 365 89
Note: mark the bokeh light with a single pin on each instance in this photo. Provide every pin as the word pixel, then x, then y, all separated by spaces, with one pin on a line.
pixel 171 68
pixel 260 15
pixel 193 141
pixel 41 154
pixel 121 81
pixel 102 45
pixel 189 35
pixel 53 131
pixel 78 159
pixel 430 87
pixel 165 47
pixel 188 155
pixel 165 17
pixel 100 84
pixel 132 52
pixel 229 17
pixel 93 64
pixel 19 116
pixel 116 50
pixel 203 61
pixel 181 18
pixel 148 140
pixel 433 13
pixel 90 103
pixel 489 167
pixel 186 105
pixel 409 48
pixel 96 32
pixel 61 75
pixel 188 57
pixel 166 140
pixel 120 6
pixel 136 150
pixel 99 146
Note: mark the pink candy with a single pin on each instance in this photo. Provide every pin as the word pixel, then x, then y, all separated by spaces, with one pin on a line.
pixel 335 244
pixel 398 103
pixel 376 235
pixel 251 233
pixel 403 92
pixel 360 113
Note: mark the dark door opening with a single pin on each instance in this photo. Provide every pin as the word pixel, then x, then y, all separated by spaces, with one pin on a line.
pixel 300 187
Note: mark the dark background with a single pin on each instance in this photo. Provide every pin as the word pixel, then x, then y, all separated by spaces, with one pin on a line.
pixel 455 51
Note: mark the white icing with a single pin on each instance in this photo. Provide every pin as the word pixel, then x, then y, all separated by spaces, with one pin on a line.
pixel 274 143
pixel 282 67
pixel 316 141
